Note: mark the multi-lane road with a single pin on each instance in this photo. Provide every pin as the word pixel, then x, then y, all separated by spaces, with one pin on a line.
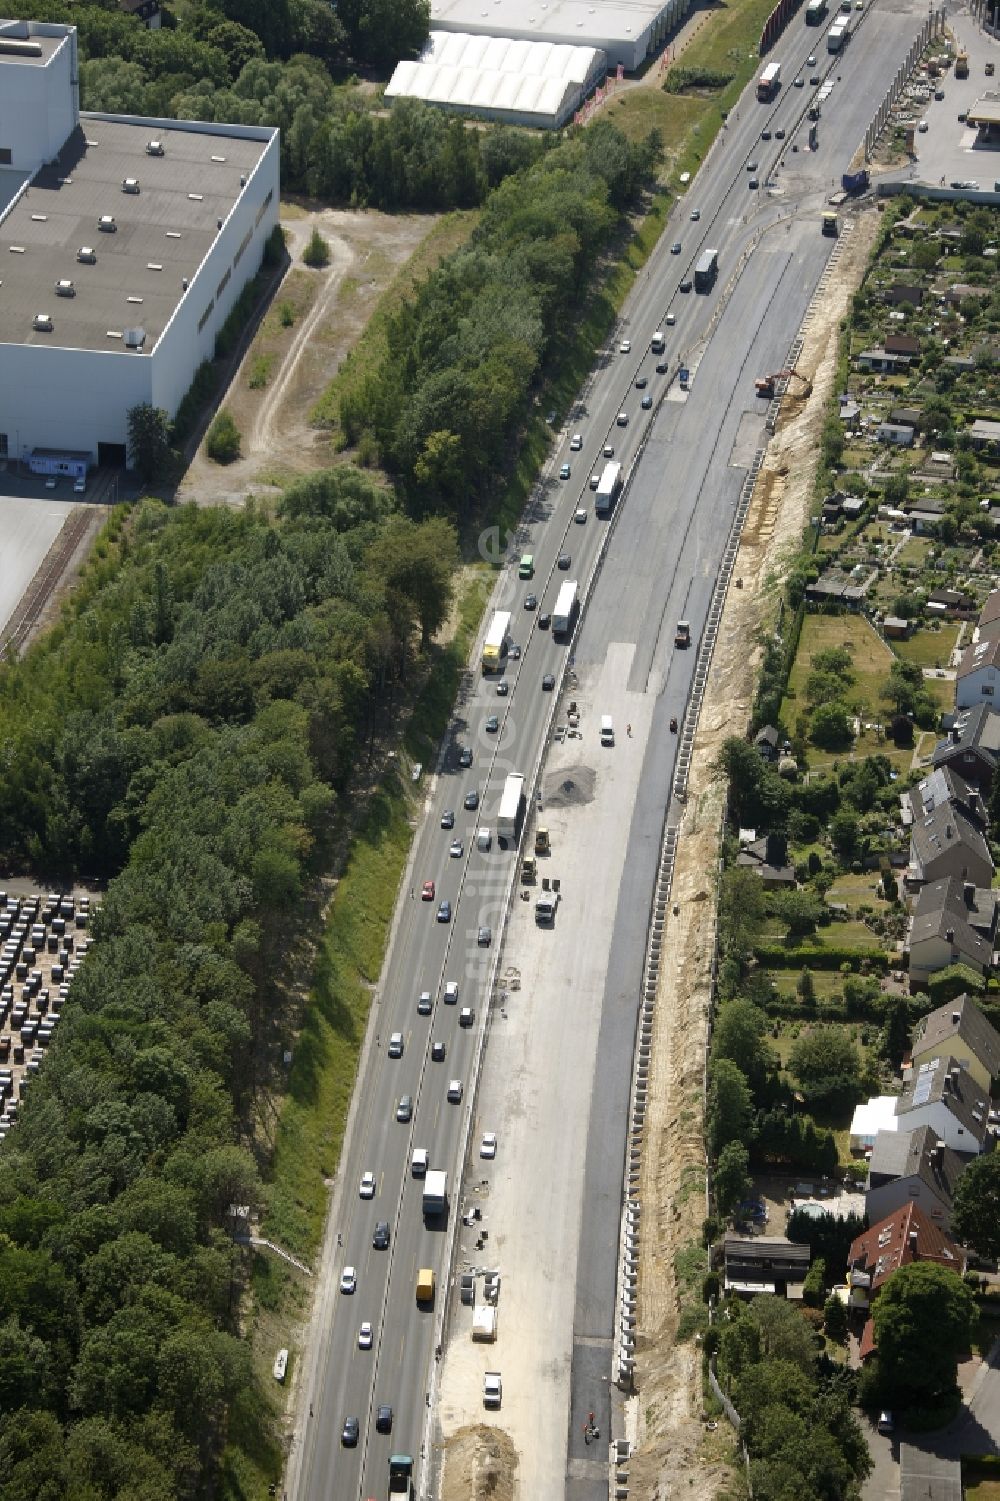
pixel 660 563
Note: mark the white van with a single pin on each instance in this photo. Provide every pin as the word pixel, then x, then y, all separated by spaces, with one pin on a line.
pixel 484 840
pixel 419 1162
pixel 607 730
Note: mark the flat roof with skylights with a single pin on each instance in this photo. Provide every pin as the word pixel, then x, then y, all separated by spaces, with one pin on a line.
pixel 162 205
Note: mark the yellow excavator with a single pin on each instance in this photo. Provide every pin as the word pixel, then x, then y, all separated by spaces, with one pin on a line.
pixel 765 384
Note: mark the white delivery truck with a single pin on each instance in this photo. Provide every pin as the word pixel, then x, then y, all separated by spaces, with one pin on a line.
pixel 608 486
pixel 658 343
pixel 564 613
pixel 435 1192
pixel 511 805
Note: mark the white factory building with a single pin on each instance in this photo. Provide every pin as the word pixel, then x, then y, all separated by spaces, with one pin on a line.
pixel 531 62
pixel 124 243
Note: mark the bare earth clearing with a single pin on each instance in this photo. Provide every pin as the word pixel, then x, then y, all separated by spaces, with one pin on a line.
pixel 330 309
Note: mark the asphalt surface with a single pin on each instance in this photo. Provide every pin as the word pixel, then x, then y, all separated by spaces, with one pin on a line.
pixel 28 528
pixel 667 542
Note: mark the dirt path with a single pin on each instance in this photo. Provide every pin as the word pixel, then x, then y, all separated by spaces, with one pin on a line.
pixel 676 1451
pixel 296 359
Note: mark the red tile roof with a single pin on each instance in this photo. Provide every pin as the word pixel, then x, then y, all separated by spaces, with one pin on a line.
pixel 886 1247
pixel 867 1346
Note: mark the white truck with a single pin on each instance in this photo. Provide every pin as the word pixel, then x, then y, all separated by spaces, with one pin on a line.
pixel 608 486
pixel 511 804
pixel 564 613
pixel 658 343
pixel 435 1198
pixel 545 908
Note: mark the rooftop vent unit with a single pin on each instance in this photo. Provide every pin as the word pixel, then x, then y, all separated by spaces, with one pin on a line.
pixel 130 184
pixel 65 289
pixel 17 48
pixel 106 224
pixel 135 338
pixel 42 322
pixel 87 255
pixel 154 148
pixel 243 179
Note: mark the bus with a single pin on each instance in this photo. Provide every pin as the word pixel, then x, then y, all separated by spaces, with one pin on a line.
pixel 815 11
pixel 608 488
pixel 767 83
pixel 497 641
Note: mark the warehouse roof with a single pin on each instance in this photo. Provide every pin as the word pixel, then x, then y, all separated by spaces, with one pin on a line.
pixel 162 234
pixel 588 20
pixel 499 75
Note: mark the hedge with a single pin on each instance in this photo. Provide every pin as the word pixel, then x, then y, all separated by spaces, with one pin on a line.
pixel 776 956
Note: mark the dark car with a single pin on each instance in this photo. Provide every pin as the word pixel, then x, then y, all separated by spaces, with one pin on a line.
pixel 349 1437
pixel 564 560
pixel 646 403
pixel 799 83
pixel 485 937
pixel 640 383
pixel 544 620
pixel 753 183
pixel 662 367
pixel 675 248
pixel 471 800
pixel 380 1238
pixel 514 653
pixel 437 1052
pixel 531 601
pixel 685 285
pixel 751 166
pixel 465 758
pixel 765 135
pixel 492 725
pixel 548 683
pixel 503 688
pixel 383 1420
pixel 448 819
pixel 814 80
pixel 444 912
pixel 779 134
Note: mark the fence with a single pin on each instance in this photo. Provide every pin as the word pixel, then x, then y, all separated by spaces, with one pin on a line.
pixel 932 27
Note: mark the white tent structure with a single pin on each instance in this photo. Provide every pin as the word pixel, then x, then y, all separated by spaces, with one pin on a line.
pixel 500 78
pixel 627 30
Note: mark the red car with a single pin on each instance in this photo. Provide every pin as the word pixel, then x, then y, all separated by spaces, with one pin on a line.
pixel 427 891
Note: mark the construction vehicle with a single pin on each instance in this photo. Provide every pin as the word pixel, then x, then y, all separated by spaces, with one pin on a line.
pixel 765 384
pixel 962 65
pixel 529 870
pixel 542 845
pixel 829 223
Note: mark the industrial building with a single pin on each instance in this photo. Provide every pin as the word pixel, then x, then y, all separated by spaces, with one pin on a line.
pixel 124 243
pixel 516 82
pixel 627 31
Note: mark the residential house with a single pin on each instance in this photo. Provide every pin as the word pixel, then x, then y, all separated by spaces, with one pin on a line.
pixel 964 364
pixel 960 290
pixel 988 624
pixel 942 785
pixel 924 514
pixel 901 344
pixel 984 434
pixel 767 858
pixel 900 1238
pixel 765 1264
pixel 944 1096
pixel 946 842
pixel 959 1030
pixel 908 416
pixel 953 922
pixel 897 433
pixel 850 411
pixel 951 601
pixel 912 1167
pixel 978 675
pixel 900 294
pixel 853 507
pixel 881 362
pixel 972 747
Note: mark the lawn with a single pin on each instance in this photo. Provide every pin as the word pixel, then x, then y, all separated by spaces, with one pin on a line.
pixel 827 983
pixel 981 1479
pixel 857 890
pixel 930 647
pixel 870 656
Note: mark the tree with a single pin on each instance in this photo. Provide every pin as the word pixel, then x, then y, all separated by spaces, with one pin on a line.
pixel 805 987
pixel 895 1035
pixel 729 1109
pixel 835 1319
pixel 732 1176
pixel 903 685
pixel 739 1035
pixel 924 1318
pixel 825 1062
pixel 975 1219
pixel 800 910
pixel 222 442
pixel 148 430
pixel 845 832
pixel 814 1287
pixel 830 726
pixel 757 795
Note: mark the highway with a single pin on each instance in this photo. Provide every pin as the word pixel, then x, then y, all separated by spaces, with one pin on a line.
pixel 661 562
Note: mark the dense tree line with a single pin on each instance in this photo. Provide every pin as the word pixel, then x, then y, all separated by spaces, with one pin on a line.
pixel 273 68
pixel 187 731
pixel 801 1437
pixel 447 397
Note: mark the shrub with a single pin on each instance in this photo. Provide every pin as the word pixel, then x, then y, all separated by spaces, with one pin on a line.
pixel 199 393
pixel 317 252
pixel 286 314
pixel 222 443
